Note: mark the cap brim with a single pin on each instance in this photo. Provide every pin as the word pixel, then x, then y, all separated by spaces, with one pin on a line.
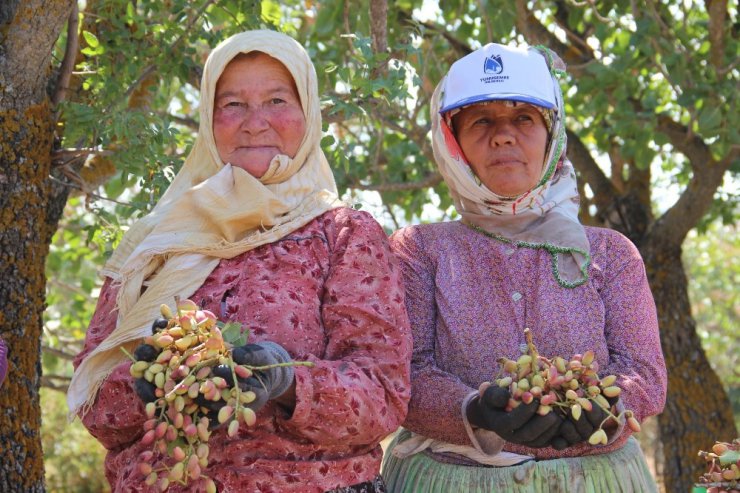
pixel 481 98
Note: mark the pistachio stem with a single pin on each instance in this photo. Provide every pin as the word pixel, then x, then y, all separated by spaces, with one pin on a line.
pixel 277 365
pixel 129 355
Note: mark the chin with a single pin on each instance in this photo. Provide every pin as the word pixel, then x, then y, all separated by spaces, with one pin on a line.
pixel 256 170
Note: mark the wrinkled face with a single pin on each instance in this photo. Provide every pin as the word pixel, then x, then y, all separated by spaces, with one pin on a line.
pixel 257 113
pixel 504 144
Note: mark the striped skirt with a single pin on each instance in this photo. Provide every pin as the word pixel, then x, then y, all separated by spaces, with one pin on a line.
pixel 622 471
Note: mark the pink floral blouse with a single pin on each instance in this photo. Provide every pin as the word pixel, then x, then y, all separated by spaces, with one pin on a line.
pixel 330 293
pixel 470 297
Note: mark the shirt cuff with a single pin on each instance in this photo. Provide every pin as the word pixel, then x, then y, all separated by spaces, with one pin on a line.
pixel 613 434
pixel 484 441
pixel 303 398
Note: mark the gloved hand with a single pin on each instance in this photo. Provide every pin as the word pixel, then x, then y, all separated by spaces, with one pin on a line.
pixel 269 383
pixel 145 389
pixel 579 430
pixel 146 352
pixel 522 425
pixel 225 372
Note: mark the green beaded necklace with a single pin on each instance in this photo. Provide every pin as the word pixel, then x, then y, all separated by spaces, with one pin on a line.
pixel 553 250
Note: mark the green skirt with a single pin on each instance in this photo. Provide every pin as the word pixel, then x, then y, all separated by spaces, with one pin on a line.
pixel 622 471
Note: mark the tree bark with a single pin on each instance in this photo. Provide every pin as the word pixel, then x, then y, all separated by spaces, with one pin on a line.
pixel 697 412
pixel 30 208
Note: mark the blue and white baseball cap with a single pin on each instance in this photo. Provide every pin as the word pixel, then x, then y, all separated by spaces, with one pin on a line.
pixel 499 72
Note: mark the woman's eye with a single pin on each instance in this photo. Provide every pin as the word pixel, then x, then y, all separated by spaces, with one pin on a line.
pixel 277 101
pixel 525 118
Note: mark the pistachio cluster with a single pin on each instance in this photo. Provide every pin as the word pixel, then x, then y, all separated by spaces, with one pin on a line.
pixel 193 382
pixel 723 468
pixel 559 385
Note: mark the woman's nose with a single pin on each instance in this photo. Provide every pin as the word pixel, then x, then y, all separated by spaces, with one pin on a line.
pixel 255 120
pixel 502 133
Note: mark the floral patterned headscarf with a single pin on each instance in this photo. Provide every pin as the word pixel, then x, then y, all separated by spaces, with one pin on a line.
pixel 545 217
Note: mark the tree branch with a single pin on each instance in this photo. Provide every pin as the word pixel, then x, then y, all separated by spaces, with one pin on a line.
pixel 29 30
pixel 57 352
pixel 579 38
pixel 594 9
pixel 666 34
pixel 460 48
pixel 667 38
pixel 347 29
pixel 604 190
pixel 70 55
pixel 683 140
pixel 87 192
pixel 432 179
pixel 379 138
pixel 389 210
pixel 62 156
pixel 379 34
pixel 151 68
pixel 48 381
pixel 486 18
pixel 536 33
pixel 717 10
pixel 706 178
pixel 190 123
pixel 379 25
pixel 627 211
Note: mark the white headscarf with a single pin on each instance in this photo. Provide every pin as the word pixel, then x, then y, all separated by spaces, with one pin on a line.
pixel 211 211
pixel 545 217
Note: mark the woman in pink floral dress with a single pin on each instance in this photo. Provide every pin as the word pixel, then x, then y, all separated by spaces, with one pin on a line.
pixel 251 230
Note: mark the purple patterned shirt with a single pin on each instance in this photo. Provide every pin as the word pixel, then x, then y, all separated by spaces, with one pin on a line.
pixel 330 293
pixel 470 297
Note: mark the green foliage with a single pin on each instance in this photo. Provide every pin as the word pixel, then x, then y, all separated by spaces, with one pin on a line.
pixel 232 333
pixel 73 459
pixel 74 257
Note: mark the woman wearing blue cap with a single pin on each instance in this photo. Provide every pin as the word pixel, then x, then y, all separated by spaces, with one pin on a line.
pixel 518 258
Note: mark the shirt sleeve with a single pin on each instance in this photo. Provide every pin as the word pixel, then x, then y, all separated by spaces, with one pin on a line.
pixel 3 360
pixel 436 400
pixel 358 392
pixel 631 331
pixel 116 417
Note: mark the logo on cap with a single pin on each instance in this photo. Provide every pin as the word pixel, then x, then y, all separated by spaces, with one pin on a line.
pixel 493 65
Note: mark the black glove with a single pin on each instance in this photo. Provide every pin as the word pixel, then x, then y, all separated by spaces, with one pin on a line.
pixel 144 389
pixel 245 384
pixel 266 384
pixel 522 425
pixel 146 352
pixel 270 383
pixel 159 324
pixel 579 430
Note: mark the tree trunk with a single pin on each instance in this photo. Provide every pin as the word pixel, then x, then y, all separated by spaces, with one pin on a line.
pixel 29 212
pixel 697 411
